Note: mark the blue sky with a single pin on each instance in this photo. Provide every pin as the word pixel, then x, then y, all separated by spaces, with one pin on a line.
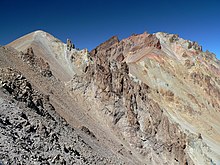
pixel 88 23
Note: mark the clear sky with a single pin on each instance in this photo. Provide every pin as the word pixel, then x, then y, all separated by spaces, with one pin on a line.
pixel 88 23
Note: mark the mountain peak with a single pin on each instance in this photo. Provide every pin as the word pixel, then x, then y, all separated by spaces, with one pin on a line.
pixel 39 31
pixel 52 50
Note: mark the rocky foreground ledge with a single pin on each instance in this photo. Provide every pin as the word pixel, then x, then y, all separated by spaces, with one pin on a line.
pixel 31 132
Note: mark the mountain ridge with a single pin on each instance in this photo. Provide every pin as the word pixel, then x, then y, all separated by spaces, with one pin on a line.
pixel 157 94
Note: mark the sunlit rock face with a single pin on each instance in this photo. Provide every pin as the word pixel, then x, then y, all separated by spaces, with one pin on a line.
pixel 156 94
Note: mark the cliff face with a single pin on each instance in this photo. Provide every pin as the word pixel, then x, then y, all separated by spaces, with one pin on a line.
pixel 124 100
pixel 159 93
pixel 149 98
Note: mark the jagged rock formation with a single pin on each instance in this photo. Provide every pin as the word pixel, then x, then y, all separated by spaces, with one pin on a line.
pixel 149 98
pixel 141 77
pixel 37 62
pixel 135 117
pixel 69 44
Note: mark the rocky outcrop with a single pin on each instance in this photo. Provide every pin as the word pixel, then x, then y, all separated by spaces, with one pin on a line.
pixel 139 119
pixel 21 90
pixel 36 62
pixel 69 44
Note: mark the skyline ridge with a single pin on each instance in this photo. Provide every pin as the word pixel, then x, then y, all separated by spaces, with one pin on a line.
pixel 89 23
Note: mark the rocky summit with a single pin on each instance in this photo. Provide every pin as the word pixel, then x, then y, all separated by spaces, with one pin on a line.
pixel 147 99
